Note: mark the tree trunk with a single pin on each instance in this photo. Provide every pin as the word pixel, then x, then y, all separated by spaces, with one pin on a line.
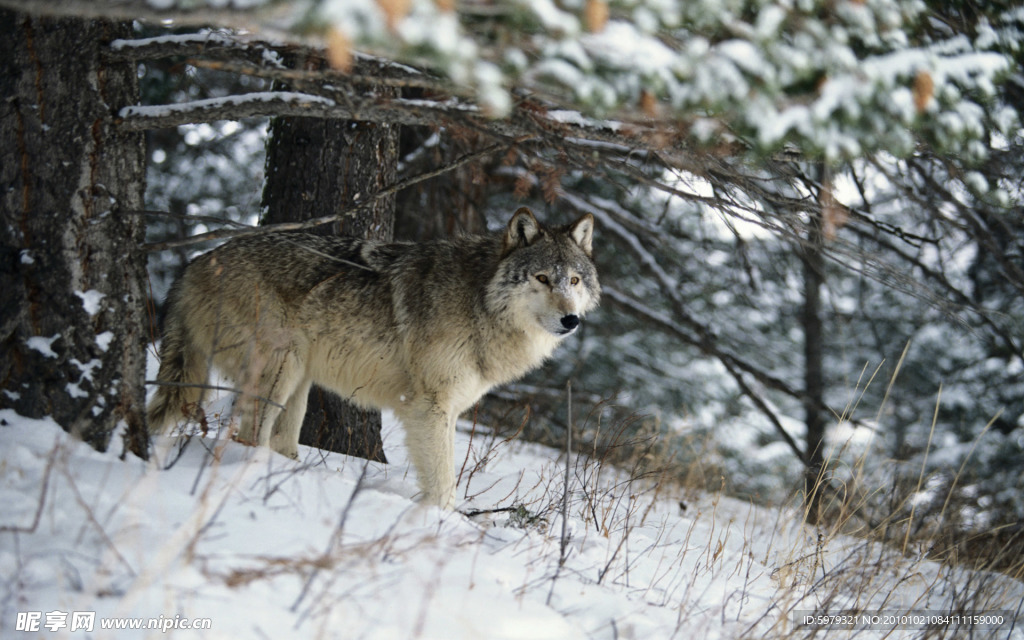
pixel 446 205
pixel 814 384
pixel 72 274
pixel 316 168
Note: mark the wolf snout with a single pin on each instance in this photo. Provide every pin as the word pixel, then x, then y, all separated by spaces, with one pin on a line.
pixel 570 321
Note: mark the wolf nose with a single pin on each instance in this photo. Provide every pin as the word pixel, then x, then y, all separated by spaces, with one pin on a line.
pixel 570 321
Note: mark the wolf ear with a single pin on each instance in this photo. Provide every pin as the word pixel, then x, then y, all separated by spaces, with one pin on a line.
pixel 582 232
pixel 522 230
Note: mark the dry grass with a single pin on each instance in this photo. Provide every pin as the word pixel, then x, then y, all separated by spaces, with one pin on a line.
pixel 876 547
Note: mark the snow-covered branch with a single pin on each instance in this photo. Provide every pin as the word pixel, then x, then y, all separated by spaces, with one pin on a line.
pixel 202 43
pixel 328 93
pixel 288 103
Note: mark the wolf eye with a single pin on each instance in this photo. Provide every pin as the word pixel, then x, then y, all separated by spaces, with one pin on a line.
pixel 575 280
pixel 541 278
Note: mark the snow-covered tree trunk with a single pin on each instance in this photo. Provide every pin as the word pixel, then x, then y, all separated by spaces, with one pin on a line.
pixel 319 167
pixel 72 274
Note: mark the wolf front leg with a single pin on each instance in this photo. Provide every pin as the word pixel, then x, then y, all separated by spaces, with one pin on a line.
pixel 284 439
pixel 270 393
pixel 430 438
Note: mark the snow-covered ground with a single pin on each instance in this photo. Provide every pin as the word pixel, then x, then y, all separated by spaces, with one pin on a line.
pixel 258 546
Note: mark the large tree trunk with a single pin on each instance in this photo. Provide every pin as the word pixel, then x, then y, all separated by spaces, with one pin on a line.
pixel 317 168
pixel 72 274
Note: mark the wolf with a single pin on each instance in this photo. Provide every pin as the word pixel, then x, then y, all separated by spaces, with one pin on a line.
pixel 423 329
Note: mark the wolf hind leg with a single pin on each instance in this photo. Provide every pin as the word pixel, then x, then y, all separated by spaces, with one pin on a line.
pixel 284 439
pixel 268 396
pixel 430 438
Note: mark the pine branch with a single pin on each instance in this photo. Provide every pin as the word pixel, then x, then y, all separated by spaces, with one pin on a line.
pixel 231 53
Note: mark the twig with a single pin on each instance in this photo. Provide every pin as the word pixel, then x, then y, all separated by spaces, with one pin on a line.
pixel 1016 616
pixel 481 512
pixel 214 387
pixel 91 517
pixel 469 448
pixel 188 216
pixel 332 544
pixel 565 491
pixel 42 497
pixel 564 543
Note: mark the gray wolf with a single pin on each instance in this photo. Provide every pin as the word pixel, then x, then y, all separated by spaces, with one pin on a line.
pixel 424 329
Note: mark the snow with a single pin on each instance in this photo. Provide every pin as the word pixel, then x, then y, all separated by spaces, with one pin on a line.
pixel 620 45
pixel 557 22
pixel 256 545
pixel 154 111
pixel 91 300
pixel 43 345
pixel 575 118
pixel 75 391
pixel 205 37
pixel 104 339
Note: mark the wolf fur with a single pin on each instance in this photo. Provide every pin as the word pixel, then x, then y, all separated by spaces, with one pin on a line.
pixel 424 329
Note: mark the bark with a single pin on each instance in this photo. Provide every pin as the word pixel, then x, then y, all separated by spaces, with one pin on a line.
pixel 72 272
pixel 316 168
pixel 446 205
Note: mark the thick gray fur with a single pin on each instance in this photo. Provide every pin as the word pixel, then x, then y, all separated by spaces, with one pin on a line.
pixel 424 329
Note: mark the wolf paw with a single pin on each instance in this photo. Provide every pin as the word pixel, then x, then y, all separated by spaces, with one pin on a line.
pixel 289 453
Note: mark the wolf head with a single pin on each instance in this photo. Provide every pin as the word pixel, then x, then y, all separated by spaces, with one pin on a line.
pixel 547 277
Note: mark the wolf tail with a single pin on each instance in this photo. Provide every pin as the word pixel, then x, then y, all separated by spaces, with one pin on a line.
pixel 182 369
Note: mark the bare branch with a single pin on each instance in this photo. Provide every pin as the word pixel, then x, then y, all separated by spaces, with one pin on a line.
pixel 699 335
pixel 188 216
pixel 729 362
pixel 223 234
pixel 214 387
